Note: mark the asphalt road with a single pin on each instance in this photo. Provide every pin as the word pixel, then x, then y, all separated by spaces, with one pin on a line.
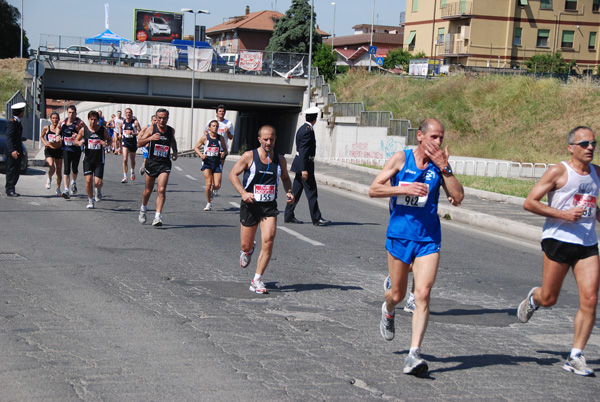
pixel 95 306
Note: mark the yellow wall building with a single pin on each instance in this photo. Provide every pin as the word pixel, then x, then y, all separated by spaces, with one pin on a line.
pixel 502 33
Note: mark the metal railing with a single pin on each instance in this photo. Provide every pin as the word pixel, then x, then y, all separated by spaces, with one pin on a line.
pixel 476 167
pixel 458 9
pixel 347 109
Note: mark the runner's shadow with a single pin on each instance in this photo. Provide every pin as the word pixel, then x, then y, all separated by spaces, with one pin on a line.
pixel 482 311
pixel 478 361
pixel 302 287
pixel 352 224
pixel 170 227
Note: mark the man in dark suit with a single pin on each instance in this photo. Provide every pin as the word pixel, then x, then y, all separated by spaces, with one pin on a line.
pixel 304 167
pixel 14 148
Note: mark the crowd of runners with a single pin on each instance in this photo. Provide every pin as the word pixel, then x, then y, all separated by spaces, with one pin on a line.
pixel 411 179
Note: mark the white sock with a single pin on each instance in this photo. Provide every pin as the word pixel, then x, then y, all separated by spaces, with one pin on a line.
pixel 575 352
pixel 143 208
pixel 414 350
pixel 257 277
pixel 90 200
pixel 157 215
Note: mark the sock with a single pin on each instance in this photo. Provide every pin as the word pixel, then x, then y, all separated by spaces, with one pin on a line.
pixel 414 350
pixel 257 277
pixel 157 215
pixel 575 352
pixel 143 208
pixel 89 200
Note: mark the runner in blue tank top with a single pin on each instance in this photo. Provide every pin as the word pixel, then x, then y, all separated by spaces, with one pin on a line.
pixel 262 169
pixel 414 232
pixel 212 149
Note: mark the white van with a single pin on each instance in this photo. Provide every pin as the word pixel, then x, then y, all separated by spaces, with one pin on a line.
pixel 232 59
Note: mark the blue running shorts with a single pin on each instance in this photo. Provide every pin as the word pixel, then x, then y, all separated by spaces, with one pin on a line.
pixel 407 250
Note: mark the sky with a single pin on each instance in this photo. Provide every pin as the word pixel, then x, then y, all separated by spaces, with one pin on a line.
pixel 85 18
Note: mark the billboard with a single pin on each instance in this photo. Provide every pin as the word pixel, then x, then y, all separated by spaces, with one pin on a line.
pixel 157 26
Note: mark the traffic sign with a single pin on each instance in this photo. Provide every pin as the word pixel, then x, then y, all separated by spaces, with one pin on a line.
pixel 31 66
pixel 372 49
pixel 379 61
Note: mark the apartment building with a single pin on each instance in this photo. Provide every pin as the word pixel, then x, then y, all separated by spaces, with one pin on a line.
pixel 503 33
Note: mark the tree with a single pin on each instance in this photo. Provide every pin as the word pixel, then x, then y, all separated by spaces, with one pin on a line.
pixel 549 63
pixel 292 31
pixel 10 32
pixel 324 60
pixel 397 57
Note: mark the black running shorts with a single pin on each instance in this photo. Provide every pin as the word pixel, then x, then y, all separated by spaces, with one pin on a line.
pixel 251 214
pixel 567 253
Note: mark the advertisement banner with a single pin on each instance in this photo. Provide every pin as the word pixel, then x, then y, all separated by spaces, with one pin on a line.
pixel 156 26
pixel 251 61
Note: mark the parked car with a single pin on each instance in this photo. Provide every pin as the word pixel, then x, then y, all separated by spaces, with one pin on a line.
pixel 3 156
pixel 232 59
pixel 218 63
pixel 74 52
pixel 158 26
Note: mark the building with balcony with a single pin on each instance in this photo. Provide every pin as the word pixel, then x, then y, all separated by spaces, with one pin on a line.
pixel 503 33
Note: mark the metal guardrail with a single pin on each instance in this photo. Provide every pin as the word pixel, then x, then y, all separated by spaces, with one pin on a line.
pixel 348 109
pixel 457 9
pixel 499 168
pixel 375 119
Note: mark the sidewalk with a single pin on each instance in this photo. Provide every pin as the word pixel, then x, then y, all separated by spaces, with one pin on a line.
pixel 498 213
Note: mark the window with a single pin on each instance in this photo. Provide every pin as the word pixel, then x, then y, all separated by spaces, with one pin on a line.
pixel 592 44
pixel 415 7
pixel 596 6
pixel 410 42
pixel 442 3
pixel 441 35
pixel 571 5
pixel 518 32
pixel 567 39
pixel 522 3
pixel 546 4
pixel 542 37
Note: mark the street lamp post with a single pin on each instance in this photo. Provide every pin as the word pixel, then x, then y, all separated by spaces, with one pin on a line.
pixel 371 44
pixel 189 10
pixel 21 51
pixel 312 3
pixel 333 33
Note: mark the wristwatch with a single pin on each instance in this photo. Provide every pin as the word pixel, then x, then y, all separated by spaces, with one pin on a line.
pixel 447 170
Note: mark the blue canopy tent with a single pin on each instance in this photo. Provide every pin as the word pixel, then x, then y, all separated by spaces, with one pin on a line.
pixel 105 38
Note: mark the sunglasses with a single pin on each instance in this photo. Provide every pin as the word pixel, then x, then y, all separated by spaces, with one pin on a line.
pixel 585 144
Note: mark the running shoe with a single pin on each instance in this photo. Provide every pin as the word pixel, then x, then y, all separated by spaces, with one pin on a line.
pixel 410 305
pixel 58 192
pixel 413 364
pixel 74 189
pixel 48 183
pixel 208 207
pixel 387 284
pixel 142 217
pixel 215 193
pixel 246 257
pixel 387 324
pixel 212 195
pixel 97 194
pixel 526 310
pixel 157 222
pixel 124 179
pixel 257 286
pixel 578 365
pixel 142 171
pixel 132 175
pixel 90 204
pixel 65 194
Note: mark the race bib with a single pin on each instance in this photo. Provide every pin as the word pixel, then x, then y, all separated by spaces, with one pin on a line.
pixel 51 137
pixel 161 151
pixel 128 133
pixel 264 192
pixel 212 151
pixel 69 141
pixel 94 144
pixel 411 200
pixel 587 202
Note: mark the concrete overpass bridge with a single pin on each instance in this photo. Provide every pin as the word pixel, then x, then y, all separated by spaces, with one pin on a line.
pixel 258 99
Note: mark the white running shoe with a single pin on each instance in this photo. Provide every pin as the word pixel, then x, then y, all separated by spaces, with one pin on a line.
pixel 386 326
pixel 208 207
pixel 257 286
pixel 142 171
pixel 97 194
pixel 246 257
pixel 132 175
pixel 413 364
pixel 142 217
pixel 124 180
pixel 578 365
pixel 525 310
pixel 90 204
pixel 157 222
pixel 48 183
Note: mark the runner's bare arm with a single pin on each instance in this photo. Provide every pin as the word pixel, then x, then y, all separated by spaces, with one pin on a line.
pixel 78 140
pixel 554 178
pixel 43 136
pixel 381 187
pixel 240 166
pixel 146 136
pixel 224 145
pixel 174 150
pixel 198 145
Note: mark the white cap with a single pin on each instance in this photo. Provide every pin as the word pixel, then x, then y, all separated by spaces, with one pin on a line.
pixel 18 106
pixel 312 110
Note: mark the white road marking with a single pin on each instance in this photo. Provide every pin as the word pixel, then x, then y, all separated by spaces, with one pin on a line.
pixel 191 177
pixel 290 231
pixel 300 237
pixel 178 168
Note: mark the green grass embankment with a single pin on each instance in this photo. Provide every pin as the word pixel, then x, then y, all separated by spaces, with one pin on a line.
pixel 489 116
pixel 12 72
